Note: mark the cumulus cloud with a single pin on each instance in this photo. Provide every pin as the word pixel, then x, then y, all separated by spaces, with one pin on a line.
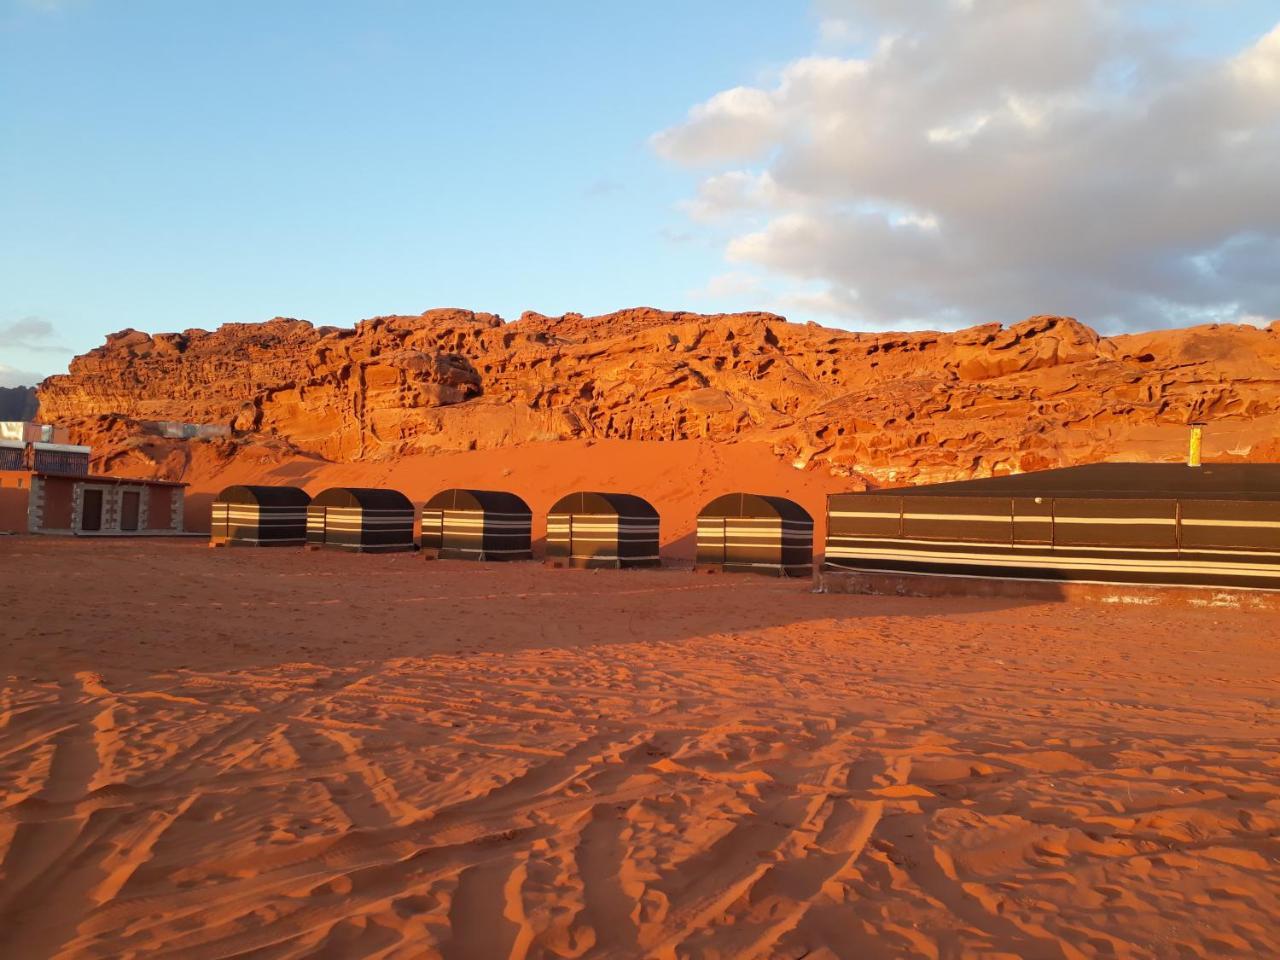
pixel 980 161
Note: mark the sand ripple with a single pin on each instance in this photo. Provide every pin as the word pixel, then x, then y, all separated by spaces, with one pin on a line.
pixel 533 763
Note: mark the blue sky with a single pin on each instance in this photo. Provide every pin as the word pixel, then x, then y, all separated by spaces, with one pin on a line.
pixel 172 165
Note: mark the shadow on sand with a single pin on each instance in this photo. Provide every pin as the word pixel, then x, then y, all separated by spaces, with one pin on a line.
pixel 167 604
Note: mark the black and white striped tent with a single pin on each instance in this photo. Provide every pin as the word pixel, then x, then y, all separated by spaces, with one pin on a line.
pixel 477 525
pixel 361 518
pixel 603 530
pixel 1154 523
pixel 753 533
pixel 260 516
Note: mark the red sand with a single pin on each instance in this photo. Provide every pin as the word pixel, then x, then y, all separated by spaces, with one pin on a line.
pixel 678 477
pixel 283 754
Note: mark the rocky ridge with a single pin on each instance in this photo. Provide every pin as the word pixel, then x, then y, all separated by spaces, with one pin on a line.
pixel 888 407
pixel 17 403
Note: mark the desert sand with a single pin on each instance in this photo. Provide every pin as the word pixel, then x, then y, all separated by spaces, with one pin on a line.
pixel 277 754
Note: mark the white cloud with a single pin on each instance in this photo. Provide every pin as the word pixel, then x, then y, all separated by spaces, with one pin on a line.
pixel 734 191
pixel 727 286
pixel 988 161
pixel 737 122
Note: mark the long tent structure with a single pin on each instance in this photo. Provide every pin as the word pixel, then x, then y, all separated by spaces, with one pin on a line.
pixel 260 516
pixel 477 525
pixel 613 530
pixel 363 519
pixel 755 533
pixel 1216 525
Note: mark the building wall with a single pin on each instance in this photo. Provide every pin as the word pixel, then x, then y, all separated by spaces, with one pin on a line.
pixel 54 504
pixel 159 508
pixel 58 505
pixel 15 490
pixel 110 506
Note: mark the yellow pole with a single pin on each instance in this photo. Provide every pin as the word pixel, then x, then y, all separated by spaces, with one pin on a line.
pixel 1193 451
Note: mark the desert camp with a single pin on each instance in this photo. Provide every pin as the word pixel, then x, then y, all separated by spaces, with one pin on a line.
pixel 755 533
pixel 1216 525
pixel 461 524
pixel 598 530
pixel 360 519
pixel 731 480
pixel 260 516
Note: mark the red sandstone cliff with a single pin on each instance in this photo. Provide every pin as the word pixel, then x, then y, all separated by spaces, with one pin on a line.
pixel 893 407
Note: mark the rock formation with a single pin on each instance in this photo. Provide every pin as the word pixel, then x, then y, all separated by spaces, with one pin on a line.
pixel 17 403
pixel 891 407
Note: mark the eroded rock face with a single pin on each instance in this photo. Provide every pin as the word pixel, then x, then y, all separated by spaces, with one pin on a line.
pixel 892 407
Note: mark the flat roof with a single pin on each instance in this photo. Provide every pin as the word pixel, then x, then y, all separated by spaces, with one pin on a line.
pixel 59 447
pixel 94 478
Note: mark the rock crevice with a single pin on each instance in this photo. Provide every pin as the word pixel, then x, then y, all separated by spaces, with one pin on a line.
pixel 892 407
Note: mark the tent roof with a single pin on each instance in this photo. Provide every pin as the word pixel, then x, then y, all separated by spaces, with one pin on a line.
pixel 265 496
pixel 605 504
pixel 1117 481
pixel 495 501
pixel 755 505
pixel 371 498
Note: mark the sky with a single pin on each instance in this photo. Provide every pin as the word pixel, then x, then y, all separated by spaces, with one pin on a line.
pixel 866 164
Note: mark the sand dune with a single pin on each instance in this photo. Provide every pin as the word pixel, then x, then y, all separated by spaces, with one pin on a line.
pixel 678 477
pixel 279 754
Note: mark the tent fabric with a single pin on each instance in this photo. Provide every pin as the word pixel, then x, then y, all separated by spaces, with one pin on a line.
pixel 1179 527
pixel 1137 481
pixel 368 498
pixel 613 530
pixel 264 496
pixel 362 519
pixel 753 533
pixel 755 505
pixel 260 516
pixel 498 501
pixel 605 504
pixel 477 525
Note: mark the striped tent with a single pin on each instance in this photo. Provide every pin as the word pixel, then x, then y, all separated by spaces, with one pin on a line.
pixel 752 533
pixel 361 518
pixel 477 525
pixel 603 530
pixel 260 516
pixel 1158 523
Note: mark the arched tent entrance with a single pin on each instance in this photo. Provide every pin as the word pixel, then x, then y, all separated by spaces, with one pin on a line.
pixel 603 530
pixel 754 533
pixel 363 519
pixel 260 516
pixel 477 525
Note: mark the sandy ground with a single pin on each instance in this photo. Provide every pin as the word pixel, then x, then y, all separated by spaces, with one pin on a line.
pixel 277 754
